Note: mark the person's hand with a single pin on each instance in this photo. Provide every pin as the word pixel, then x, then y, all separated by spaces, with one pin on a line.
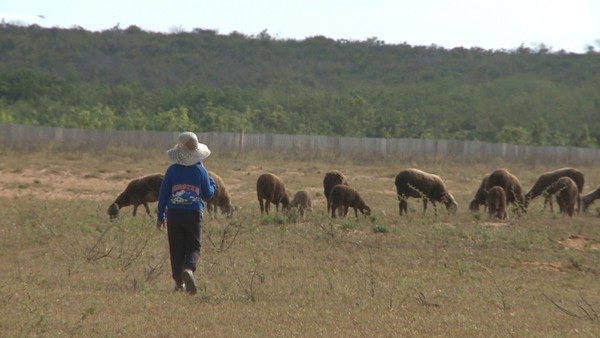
pixel 160 224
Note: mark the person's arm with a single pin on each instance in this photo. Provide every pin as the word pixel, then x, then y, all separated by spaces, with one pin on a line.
pixel 163 197
pixel 207 185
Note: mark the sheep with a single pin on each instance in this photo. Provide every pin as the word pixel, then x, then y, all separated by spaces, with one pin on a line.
pixel 566 192
pixel 140 191
pixel 480 195
pixel 589 198
pixel 302 201
pixel 271 189
pixel 511 185
pixel 342 197
pixel 546 179
pixel 496 203
pixel 419 184
pixel 220 199
pixel 331 179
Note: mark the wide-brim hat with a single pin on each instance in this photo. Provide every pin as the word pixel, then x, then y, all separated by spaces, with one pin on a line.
pixel 188 151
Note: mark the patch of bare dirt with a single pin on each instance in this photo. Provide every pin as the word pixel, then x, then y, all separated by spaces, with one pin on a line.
pixel 552 266
pixel 579 243
pixel 496 224
pixel 56 184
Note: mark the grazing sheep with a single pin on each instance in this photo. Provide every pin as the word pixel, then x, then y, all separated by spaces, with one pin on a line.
pixel 331 179
pixel 496 203
pixel 480 195
pixel 589 198
pixel 220 199
pixel 270 189
pixel 548 178
pixel 419 184
pixel 142 190
pixel 567 194
pixel 511 185
pixel 342 197
pixel 302 201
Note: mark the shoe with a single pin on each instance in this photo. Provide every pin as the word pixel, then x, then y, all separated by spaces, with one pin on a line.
pixel 179 288
pixel 189 281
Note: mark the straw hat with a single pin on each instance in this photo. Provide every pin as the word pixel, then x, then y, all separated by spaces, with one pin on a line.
pixel 188 151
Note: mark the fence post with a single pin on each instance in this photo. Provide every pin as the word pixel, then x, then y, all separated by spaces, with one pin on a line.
pixel 241 143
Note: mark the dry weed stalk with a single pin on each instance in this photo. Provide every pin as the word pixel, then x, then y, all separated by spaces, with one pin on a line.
pixel 503 304
pixel 224 242
pixel 248 286
pixel 587 310
pixel 153 271
pixel 98 250
pixel 420 297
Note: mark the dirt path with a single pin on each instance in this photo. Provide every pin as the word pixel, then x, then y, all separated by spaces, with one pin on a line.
pixel 53 184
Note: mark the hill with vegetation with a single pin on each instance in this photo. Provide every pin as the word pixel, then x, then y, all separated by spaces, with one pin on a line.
pixel 130 79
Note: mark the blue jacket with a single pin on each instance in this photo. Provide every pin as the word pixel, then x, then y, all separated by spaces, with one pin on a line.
pixel 184 187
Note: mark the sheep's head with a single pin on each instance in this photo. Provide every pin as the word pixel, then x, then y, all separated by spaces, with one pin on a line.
pixel 586 202
pixel 228 210
pixel 450 203
pixel 113 211
pixel 526 200
pixel 285 201
pixel 474 205
pixel 366 210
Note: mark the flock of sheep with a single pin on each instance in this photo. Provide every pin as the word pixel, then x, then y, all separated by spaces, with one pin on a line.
pixel 496 191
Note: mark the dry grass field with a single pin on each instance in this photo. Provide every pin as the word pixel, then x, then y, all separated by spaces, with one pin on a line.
pixel 66 270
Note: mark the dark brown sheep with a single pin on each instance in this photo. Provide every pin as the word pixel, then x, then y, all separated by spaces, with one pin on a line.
pixel 545 180
pixel 589 198
pixel 331 179
pixel 343 197
pixel 221 199
pixel 496 203
pixel 480 194
pixel 139 191
pixel 511 185
pixel 419 184
pixel 566 192
pixel 271 189
pixel 301 201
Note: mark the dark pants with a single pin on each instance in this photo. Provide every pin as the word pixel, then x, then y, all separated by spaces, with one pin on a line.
pixel 184 228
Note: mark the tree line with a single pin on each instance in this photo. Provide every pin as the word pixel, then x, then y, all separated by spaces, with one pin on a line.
pixel 130 79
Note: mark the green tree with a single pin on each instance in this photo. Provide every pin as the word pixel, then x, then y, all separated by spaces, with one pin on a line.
pixel 134 119
pixel 558 138
pixel 5 116
pixel 97 117
pixel 176 119
pixel 512 134
pixel 540 132
pixel 584 139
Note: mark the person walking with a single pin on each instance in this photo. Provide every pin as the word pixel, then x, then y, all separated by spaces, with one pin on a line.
pixel 185 185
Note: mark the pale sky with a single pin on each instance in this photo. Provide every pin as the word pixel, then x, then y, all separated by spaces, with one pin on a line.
pixel 489 24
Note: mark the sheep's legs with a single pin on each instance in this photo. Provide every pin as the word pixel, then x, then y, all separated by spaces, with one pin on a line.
pixel 403 207
pixel 339 210
pixel 147 209
pixel 548 201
